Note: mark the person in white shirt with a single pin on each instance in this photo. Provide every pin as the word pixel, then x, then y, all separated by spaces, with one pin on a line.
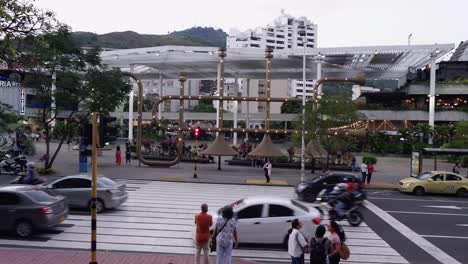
pixel 364 171
pixel 267 169
pixel 296 243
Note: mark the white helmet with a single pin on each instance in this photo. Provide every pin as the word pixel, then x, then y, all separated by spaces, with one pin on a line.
pixel 340 187
pixel 30 164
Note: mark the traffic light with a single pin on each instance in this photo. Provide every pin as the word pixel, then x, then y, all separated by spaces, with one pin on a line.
pixel 106 132
pixel 197 131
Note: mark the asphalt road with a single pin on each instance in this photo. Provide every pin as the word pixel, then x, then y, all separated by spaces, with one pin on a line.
pixel 441 220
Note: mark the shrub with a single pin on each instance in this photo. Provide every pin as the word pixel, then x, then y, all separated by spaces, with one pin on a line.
pixel 133 148
pixel 370 158
pixel 29 148
pixel 464 161
pixel 43 171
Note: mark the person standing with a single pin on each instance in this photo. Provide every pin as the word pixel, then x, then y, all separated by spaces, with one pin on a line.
pixel 337 237
pixel 364 171
pixel 370 170
pixel 69 141
pixel 203 221
pixel 296 243
pixel 267 168
pixel 353 164
pixel 319 246
pixel 456 168
pixel 128 155
pixel 118 156
pixel 225 234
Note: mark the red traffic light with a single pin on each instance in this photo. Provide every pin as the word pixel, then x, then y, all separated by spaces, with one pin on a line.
pixel 197 131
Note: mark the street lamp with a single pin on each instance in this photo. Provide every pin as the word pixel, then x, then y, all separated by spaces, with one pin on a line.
pixel 197 132
pixel 304 90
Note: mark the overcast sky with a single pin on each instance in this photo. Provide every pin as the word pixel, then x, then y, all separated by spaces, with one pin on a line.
pixel 340 22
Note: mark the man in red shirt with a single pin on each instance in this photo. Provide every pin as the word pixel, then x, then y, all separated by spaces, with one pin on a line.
pixel 203 221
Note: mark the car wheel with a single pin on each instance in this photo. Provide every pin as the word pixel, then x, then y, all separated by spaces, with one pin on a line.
pixel 24 229
pixel 99 206
pixel 419 191
pixel 462 192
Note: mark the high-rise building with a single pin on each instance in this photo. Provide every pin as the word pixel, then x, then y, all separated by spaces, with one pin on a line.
pixel 286 32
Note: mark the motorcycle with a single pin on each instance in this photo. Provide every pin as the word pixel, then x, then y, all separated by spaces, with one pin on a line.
pixel 9 166
pixel 21 162
pixel 35 180
pixel 352 214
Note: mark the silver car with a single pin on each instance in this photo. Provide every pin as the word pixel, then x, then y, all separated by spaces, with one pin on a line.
pixel 77 189
pixel 28 208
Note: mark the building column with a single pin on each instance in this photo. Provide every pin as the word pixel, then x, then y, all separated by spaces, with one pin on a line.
pixel 319 75
pixel 160 107
pixel 235 106
pixel 130 109
pixel 432 94
pixel 247 120
pixel 218 82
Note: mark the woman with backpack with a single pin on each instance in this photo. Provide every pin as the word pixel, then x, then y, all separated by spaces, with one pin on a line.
pixel 339 250
pixel 319 246
pixel 296 243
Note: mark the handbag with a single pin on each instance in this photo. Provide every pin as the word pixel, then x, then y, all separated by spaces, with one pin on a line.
pixel 213 238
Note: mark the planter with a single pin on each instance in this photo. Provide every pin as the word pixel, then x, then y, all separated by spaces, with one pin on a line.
pixel 291 165
pixel 167 158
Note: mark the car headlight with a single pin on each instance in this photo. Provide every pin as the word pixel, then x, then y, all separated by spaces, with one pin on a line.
pixel 409 184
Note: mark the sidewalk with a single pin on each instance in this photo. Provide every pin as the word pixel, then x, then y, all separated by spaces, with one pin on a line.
pixel 47 256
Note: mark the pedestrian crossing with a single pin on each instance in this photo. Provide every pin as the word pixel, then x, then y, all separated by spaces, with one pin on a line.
pixel 159 217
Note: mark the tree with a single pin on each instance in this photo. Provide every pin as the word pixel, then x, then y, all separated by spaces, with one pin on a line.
pixel 291 107
pixel 20 20
pixel 7 116
pixel 82 83
pixel 204 108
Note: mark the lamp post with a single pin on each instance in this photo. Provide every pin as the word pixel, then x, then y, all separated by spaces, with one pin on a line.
pixel 197 131
pixel 409 39
pixel 432 93
pixel 304 90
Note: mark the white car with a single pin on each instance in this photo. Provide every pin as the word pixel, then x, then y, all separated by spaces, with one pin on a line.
pixel 266 220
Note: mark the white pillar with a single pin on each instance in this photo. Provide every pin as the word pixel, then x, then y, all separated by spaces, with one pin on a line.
pixel 235 105
pixel 53 105
pixel 218 82
pixel 160 107
pixel 247 121
pixel 130 109
pixel 432 95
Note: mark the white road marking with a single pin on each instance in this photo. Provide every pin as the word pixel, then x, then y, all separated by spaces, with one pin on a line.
pixel 435 236
pixel 425 213
pixel 454 207
pixel 417 200
pixel 462 225
pixel 418 240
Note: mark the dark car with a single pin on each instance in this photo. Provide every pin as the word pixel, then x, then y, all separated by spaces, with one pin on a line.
pixel 308 191
pixel 24 209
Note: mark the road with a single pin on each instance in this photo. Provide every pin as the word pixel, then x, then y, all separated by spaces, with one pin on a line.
pixel 440 220
pixel 158 217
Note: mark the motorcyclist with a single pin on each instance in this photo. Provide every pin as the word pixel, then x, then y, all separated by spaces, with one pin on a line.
pixel 30 173
pixel 343 199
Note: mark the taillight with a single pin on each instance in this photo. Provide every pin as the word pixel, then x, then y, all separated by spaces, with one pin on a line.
pixel 233 204
pixel 316 221
pixel 45 210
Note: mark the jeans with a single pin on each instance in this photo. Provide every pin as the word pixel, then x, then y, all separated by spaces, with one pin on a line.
pixel 334 259
pixel 299 260
pixel 340 208
pixel 223 252
pixel 199 247
pixel 364 175
pixel 369 176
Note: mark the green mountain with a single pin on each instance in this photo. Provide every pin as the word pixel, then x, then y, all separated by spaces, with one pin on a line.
pixel 195 36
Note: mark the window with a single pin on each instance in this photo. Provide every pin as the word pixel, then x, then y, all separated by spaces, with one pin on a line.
pixel 73 183
pixel 303 207
pixel 279 211
pixel 438 177
pixel 332 180
pixel 255 45
pixel 254 211
pixel 280 42
pixel 451 177
pixel 40 196
pixel 9 199
pixel 270 41
pixel 280 36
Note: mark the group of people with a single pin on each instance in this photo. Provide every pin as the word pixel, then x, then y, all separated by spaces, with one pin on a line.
pixel 224 235
pixel 321 249
pixel 367 169
pixel 128 155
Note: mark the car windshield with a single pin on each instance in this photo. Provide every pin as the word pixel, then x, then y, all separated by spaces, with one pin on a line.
pixel 103 181
pixel 424 175
pixel 40 196
pixel 303 207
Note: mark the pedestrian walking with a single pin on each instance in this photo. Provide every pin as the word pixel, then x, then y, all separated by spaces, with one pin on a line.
pixel 225 234
pixel 456 168
pixel 118 156
pixel 128 155
pixel 267 168
pixel 364 171
pixel 203 221
pixel 296 243
pixel 370 170
pixel 353 164
pixel 69 144
pixel 319 246
pixel 337 237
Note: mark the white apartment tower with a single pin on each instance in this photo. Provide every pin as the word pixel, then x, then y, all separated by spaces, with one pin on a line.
pixel 286 32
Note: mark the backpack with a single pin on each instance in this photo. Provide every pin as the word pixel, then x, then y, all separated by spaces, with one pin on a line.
pixel 344 251
pixel 317 252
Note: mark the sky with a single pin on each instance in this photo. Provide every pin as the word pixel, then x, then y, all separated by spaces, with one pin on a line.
pixel 340 22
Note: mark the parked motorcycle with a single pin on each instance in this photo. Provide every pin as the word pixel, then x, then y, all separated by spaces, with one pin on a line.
pixel 8 166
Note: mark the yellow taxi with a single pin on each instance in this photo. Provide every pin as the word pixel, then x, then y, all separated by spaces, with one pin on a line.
pixel 435 182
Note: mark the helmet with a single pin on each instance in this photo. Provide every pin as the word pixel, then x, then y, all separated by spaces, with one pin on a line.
pixel 340 187
pixel 30 164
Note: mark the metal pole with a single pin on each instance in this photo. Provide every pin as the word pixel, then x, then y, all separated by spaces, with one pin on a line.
pixel 268 56
pixel 432 95
pixel 247 121
pixel 160 95
pixel 409 39
pixel 235 106
pixel 94 191
pixel 196 158
pixel 319 74
pixel 304 91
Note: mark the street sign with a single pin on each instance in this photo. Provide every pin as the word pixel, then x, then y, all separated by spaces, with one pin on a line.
pixel 416 163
